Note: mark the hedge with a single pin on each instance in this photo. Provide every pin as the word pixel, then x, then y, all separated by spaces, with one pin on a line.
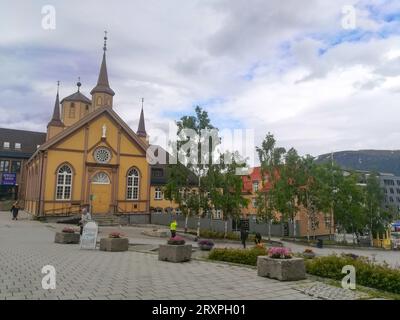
pixel 368 274
pixel 221 235
pixel 242 256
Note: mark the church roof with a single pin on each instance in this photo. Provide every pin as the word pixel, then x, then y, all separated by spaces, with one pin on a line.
pixel 56 119
pixel 141 131
pixel 102 82
pixel 77 96
pixel 81 123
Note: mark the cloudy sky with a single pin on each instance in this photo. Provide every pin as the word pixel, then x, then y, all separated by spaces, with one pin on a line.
pixel 291 67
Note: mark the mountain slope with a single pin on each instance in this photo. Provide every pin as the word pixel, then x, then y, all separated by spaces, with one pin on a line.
pixel 385 161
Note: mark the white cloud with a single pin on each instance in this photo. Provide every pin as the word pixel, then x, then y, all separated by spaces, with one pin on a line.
pixel 260 62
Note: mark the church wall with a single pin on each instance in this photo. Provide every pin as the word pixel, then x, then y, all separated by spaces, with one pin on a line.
pixel 55 159
pixel 73 142
pixel 140 163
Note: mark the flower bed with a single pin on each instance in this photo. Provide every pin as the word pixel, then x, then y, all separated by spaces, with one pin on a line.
pixel 377 276
pixel 308 254
pixel 243 256
pixel 176 241
pixel 68 230
pixel 206 245
pixel 279 253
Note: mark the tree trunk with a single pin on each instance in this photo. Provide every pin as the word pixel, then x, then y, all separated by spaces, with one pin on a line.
pixel 198 226
pixel 226 229
pixel 294 227
pixel 269 229
pixel 186 222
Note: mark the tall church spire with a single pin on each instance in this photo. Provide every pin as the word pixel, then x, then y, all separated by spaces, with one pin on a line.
pixel 56 120
pixel 141 131
pixel 102 93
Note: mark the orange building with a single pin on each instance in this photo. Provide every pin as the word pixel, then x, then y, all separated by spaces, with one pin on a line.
pixel 253 183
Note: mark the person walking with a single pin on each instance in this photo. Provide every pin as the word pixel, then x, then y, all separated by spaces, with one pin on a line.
pixel 257 238
pixel 14 210
pixel 85 217
pixel 243 237
pixel 172 228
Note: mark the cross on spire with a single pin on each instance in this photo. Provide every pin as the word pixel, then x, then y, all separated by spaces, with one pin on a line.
pixel 105 41
pixel 79 84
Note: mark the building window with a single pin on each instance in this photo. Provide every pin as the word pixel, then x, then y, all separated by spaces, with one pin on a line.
pixel 87 108
pixel 16 166
pixel 4 165
pixel 6 145
pixel 99 101
pixel 72 110
pixel 17 146
pixel 157 173
pixel 158 194
pixel 391 199
pixel 255 186
pixel 388 182
pixel 217 214
pixel 391 190
pixel 398 182
pixel 64 183
pixel 385 190
pixel 132 185
pixel 102 155
pixel 101 178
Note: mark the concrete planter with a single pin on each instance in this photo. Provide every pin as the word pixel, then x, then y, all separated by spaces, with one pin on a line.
pixel 281 269
pixel 114 244
pixel 67 238
pixel 175 253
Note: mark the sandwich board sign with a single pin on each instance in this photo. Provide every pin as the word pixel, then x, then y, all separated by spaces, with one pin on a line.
pixel 89 236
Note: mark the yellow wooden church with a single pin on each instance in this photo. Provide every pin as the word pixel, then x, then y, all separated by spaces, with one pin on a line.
pixel 91 158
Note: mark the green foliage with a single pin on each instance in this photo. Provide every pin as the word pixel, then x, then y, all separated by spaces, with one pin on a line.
pixel 221 235
pixel 367 273
pixel 242 256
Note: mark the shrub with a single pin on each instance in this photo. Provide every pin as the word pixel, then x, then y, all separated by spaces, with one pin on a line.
pixel 115 235
pixel 177 240
pixel 308 251
pixel 68 230
pixel 279 253
pixel 378 276
pixel 243 256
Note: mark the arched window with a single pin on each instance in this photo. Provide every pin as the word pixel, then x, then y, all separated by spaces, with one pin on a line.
pixel 132 191
pixel 101 178
pixel 99 101
pixel 64 183
pixel 158 194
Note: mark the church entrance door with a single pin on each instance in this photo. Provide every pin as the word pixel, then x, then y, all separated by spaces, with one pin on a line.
pixel 101 193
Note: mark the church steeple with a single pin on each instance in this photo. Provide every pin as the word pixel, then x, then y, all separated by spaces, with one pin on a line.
pixel 141 131
pixel 102 93
pixel 55 125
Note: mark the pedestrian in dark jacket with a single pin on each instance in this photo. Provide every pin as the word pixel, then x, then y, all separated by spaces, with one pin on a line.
pixel 243 236
pixel 14 210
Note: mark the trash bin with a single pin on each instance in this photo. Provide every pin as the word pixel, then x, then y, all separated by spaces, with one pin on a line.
pixel 320 243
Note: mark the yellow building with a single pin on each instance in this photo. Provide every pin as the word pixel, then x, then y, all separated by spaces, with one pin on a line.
pixel 91 158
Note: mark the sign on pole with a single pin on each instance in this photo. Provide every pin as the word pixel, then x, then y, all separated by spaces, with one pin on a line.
pixel 8 179
pixel 89 236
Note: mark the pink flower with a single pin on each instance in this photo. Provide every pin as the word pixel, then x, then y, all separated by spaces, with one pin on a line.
pixel 279 253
